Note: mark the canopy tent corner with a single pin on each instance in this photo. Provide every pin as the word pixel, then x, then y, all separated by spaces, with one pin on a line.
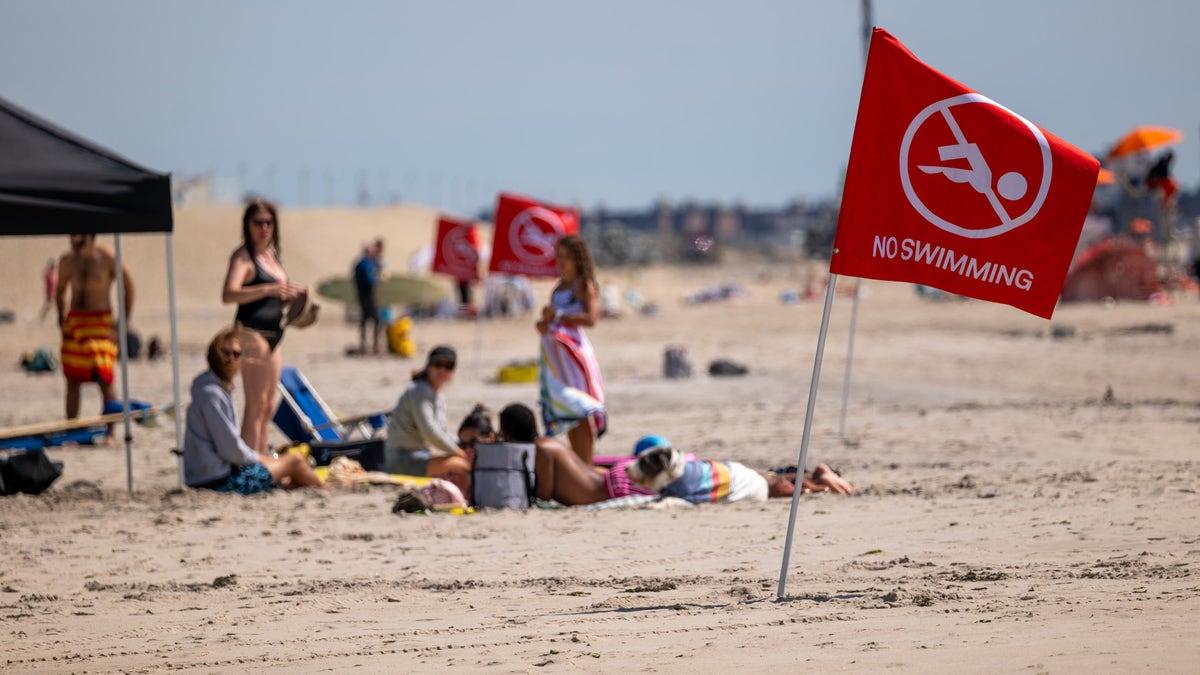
pixel 53 182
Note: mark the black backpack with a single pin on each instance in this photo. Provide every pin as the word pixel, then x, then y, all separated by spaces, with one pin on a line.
pixel 29 471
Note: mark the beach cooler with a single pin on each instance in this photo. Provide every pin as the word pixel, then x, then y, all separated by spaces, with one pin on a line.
pixel 503 476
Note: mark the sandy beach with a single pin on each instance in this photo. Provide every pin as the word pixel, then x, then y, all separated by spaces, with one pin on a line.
pixel 1027 491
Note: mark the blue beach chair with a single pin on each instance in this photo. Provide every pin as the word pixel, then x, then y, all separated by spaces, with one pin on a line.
pixel 304 417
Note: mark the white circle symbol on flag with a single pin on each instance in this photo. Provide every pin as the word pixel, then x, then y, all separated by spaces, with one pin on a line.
pixel 1009 187
pixel 533 234
pixel 457 248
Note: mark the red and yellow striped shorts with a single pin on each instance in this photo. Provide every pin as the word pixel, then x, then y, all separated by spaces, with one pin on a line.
pixel 88 352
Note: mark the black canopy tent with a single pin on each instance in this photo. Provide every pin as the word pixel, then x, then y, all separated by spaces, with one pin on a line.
pixel 53 182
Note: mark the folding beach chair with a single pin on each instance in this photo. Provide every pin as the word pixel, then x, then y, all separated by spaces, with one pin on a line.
pixel 304 417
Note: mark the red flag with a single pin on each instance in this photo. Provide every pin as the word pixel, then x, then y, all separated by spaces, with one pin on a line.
pixel 456 249
pixel 526 232
pixel 949 189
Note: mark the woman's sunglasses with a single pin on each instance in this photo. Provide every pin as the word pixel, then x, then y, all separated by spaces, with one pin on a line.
pixel 231 354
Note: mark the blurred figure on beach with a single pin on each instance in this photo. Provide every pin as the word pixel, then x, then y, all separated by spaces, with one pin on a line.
pixel 1159 179
pixel 571 390
pixel 465 305
pixel 89 341
pixel 418 441
pixel 215 457
pixel 506 295
pixel 258 284
pixel 49 285
pixel 368 271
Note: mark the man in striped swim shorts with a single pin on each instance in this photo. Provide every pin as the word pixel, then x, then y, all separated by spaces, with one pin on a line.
pixel 89 350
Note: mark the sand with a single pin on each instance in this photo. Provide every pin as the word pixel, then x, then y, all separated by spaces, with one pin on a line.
pixel 1026 502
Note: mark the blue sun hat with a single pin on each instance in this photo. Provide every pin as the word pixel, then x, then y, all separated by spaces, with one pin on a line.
pixel 650 443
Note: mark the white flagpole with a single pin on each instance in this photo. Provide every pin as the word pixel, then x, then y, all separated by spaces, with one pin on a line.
pixel 808 415
pixel 866 47
pixel 123 353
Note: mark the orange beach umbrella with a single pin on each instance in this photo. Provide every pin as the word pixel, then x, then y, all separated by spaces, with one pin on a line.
pixel 1144 138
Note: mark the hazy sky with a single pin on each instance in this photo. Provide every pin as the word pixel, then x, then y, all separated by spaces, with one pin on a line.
pixel 617 103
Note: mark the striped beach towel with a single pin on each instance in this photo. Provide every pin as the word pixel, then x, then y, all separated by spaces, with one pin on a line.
pixel 626 502
pixel 569 384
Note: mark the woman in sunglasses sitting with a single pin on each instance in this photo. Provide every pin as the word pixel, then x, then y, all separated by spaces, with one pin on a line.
pixel 418 441
pixel 214 455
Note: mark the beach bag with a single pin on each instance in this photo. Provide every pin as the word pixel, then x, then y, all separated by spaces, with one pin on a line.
pixel 30 472
pixel 518 372
pixel 39 361
pixel 399 337
pixel 133 344
pixel 502 476
pixel 677 364
pixel 726 368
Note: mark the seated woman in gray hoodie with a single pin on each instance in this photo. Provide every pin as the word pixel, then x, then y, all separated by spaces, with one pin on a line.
pixel 418 440
pixel 214 455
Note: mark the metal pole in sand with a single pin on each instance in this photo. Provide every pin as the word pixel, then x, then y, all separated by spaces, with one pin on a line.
pixel 808 415
pixel 123 354
pixel 175 353
pixel 478 348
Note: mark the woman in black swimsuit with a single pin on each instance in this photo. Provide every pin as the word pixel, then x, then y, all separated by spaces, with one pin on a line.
pixel 258 285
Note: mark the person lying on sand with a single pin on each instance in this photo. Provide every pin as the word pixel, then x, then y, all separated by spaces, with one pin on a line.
pixel 662 468
pixel 560 473
pixel 563 477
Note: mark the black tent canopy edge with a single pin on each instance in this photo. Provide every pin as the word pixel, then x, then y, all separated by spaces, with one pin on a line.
pixel 73 185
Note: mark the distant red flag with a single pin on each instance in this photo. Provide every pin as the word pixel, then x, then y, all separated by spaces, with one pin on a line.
pixel 456 249
pixel 949 189
pixel 526 232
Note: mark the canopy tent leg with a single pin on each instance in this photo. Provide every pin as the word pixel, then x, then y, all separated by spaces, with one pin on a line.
pixel 178 416
pixel 123 356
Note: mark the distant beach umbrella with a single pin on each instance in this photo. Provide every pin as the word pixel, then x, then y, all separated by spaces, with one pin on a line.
pixel 1143 138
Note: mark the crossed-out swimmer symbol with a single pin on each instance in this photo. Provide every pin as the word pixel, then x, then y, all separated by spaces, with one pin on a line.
pixel 533 234
pixel 1011 186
